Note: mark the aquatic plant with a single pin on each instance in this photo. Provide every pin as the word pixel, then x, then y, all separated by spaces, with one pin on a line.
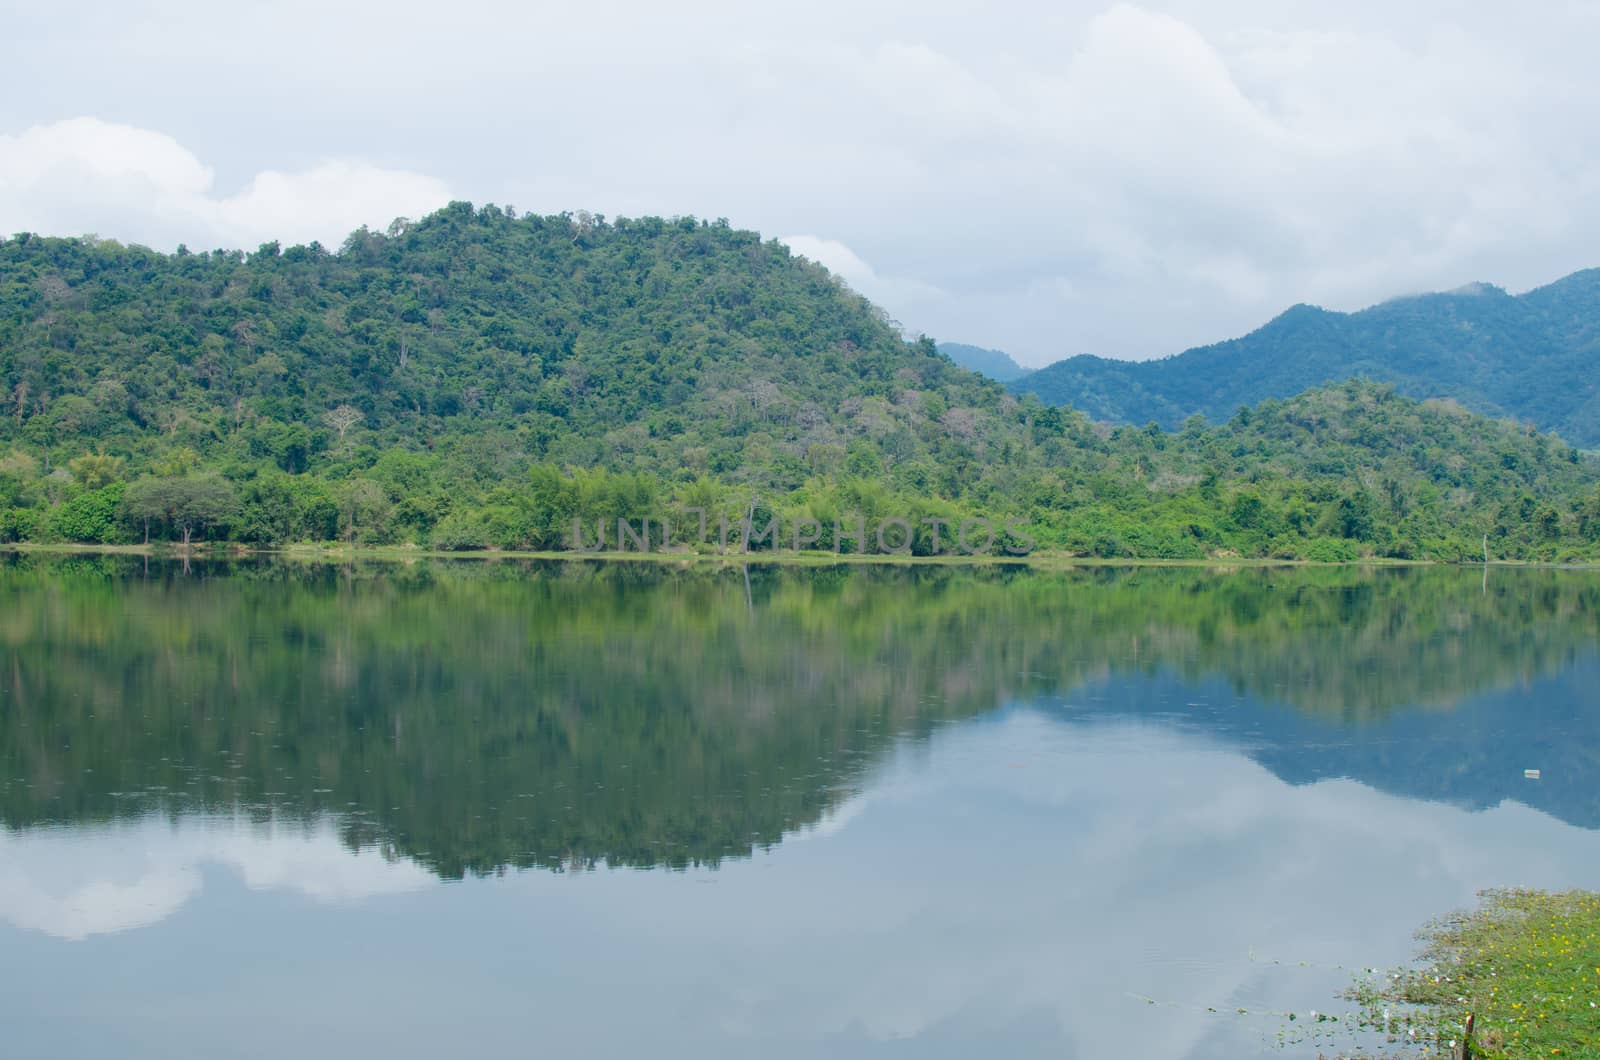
pixel 1518 977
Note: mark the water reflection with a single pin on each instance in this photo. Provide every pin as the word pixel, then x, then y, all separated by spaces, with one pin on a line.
pixel 948 811
pixel 74 883
pixel 1022 883
pixel 476 717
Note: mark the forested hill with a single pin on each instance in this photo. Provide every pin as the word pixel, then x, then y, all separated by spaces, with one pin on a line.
pixel 635 344
pixel 1532 357
pixel 996 364
pixel 480 379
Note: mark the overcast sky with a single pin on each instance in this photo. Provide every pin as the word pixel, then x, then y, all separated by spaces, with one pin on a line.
pixel 1049 178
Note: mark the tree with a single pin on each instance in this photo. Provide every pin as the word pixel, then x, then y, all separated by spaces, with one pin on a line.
pixel 362 505
pixel 583 222
pixel 1352 517
pixel 184 504
pixel 342 418
pixel 94 470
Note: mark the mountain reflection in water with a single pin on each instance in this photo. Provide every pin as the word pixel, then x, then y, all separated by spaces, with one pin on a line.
pixel 946 809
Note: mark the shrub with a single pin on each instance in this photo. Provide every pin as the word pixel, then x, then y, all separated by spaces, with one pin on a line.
pixel 17 524
pixel 460 532
pixel 1330 550
pixel 89 517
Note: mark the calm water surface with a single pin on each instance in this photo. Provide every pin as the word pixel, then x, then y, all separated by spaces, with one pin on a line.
pixel 267 811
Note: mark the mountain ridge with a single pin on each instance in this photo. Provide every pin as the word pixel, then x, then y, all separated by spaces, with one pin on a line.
pixel 996 364
pixel 1527 357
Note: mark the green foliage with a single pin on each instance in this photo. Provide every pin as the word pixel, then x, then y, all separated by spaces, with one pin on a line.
pixel 95 470
pixel 1525 966
pixel 184 505
pixel 460 533
pixel 1324 550
pixel 480 380
pixel 17 525
pixel 92 516
pixel 276 508
pixel 1528 357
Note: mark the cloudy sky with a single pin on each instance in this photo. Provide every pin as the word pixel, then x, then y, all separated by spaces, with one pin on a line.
pixel 1125 179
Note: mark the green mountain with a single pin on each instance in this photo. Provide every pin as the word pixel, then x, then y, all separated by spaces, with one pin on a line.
pixel 638 344
pixel 995 364
pixel 1530 357
pixel 477 379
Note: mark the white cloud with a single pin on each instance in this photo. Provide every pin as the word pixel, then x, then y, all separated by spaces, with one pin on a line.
pixel 1159 185
pixel 1024 883
pixel 1122 178
pixel 915 84
pixel 1017 881
pixel 833 820
pixel 846 264
pixel 835 257
pixel 85 175
pixel 75 884
pixel 326 202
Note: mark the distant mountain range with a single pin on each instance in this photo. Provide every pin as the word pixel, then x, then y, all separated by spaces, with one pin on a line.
pixel 995 364
pixel 1530 357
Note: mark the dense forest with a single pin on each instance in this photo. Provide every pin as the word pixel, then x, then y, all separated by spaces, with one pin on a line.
pixel 478 379
pixel 1529 357
pixel 475 716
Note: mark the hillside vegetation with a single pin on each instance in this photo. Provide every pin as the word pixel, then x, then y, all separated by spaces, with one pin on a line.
pixel 1530 357
pixel 478 379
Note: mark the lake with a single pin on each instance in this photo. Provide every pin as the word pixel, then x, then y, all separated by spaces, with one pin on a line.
pixel 262 809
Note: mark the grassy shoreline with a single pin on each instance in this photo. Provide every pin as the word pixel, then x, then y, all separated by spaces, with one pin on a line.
pixel 1522 971
pixel 1038 559
pixel 337 551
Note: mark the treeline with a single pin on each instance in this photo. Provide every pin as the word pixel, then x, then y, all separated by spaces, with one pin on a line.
pixel 481 380
pixel 1290 480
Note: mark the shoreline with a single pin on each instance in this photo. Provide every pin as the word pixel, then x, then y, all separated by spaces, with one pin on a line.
pixel 1041 560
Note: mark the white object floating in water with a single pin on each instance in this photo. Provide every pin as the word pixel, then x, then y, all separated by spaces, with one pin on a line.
pixel 1530 774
